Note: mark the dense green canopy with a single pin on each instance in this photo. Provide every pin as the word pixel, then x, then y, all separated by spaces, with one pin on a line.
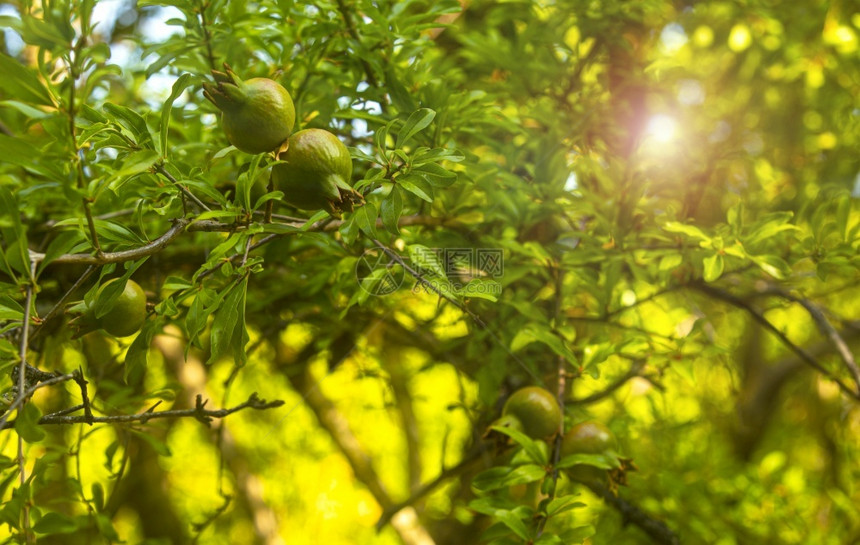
pixel 650 209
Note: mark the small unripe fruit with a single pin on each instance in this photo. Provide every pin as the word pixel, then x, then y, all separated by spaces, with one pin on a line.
pixel 316 172
pixel 125 316
pixel 536 409
pixel 128 312
pixel 589 437
pixel 257 115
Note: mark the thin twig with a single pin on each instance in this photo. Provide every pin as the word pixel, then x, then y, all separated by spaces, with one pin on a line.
pixel 597 396
pixel 561 391
pixel 29 392
pixel 82 384
pixel 426 283
pixel 207 36
pixel 826 329
pixel 270 204
pixel 68 410
pixel 644 300
pixel 200 527
pixel 22 396
pixel 159 167
pixel 80 177
pixel 58 306
pixel 760 318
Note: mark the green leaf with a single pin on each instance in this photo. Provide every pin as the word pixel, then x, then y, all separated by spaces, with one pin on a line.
pixel 512 518
pixel 773 265
pixel 419 120
pixel 16 256
pixel 392 207
pixel 381 137
pixel 228 331
pixel 416 185
pixel 22 83
pixel 349 229
pixel 422 156
pixel 365 217
pixel 168 56
pixel 564 503
pixel 400 96
pixel 769 226
pixel 198 315
pixel 426 260
pixel 178 88
pixel 62 244
pixel 670 262
pixel 105 526
pixel 18 152
pixel 54 31
pixel 138 353
pixel 503 477
pixel 713 267
pixel 843 214
pixel 577 534
pixel 534 332
pixel 689 230
pixel 551 539
pixel 130 120
pixel 98 494
pixel 600 461
pixel 481 289
pixel 11 314
pixel 27 423
pixel 31 112
pixel 436 175
pixel 539 454
pixel 133 164
pixel 55 523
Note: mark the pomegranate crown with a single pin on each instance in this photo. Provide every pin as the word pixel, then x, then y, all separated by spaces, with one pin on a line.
pixel 228 92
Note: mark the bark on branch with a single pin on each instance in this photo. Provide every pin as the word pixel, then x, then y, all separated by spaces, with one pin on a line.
pixel 199 412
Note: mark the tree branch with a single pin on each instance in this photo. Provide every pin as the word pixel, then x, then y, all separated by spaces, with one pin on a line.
pixel 22 398
pixel 477 454
pixel 805 356
pixel 199 412
pixel 826 329
pixel 631 513
pixel 621 381
pixel 156 245
pixel 426 283
pixel 30 391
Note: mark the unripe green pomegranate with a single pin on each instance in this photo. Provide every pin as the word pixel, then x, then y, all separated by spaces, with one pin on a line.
pixel 257 115
pixel 316 172
pixel 536 409
pixel 125 317
pixel 589 437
